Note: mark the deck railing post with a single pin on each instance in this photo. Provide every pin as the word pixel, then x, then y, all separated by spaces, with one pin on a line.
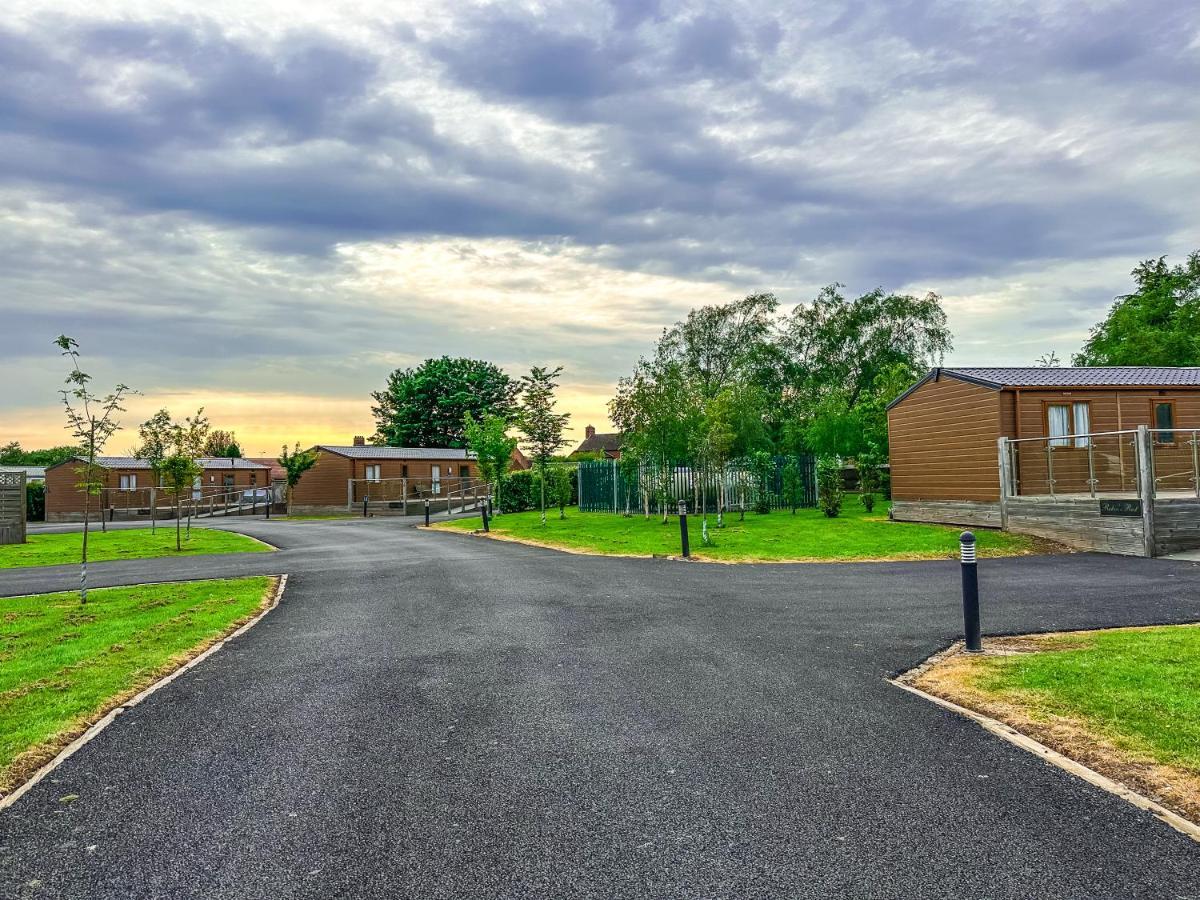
pixel 1145 470
pixel 1195 465
pixel 1005 482
pixel 1050 467
pixel 1091 449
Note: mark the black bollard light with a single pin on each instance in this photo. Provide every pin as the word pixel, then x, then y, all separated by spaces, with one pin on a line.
pixel 970 593
pixel 683 534
pixel 364 507
pixel 426 512
pixel 483 510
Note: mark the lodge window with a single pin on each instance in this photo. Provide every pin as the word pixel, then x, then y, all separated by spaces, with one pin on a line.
pixel 1066 419
pixel 129 482
pixel 404 471
pixel 372 473
pixel 227 480
pixel 464 471
pixel 1164 421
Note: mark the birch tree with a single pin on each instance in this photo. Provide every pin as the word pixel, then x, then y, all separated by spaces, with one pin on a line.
pixel 540 425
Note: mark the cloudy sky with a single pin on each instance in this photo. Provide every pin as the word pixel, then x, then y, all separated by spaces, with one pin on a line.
pixel 263 207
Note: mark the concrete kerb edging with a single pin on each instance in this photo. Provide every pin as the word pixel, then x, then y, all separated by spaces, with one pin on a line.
pixel 98 726
pixel 1074 767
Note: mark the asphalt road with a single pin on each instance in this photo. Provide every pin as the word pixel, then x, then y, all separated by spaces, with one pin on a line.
pixel 434 715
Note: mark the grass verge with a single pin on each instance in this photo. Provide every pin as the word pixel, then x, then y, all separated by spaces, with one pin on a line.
pixel 63 666
pixel 776 537
pixel 1124 702
pixel 123 543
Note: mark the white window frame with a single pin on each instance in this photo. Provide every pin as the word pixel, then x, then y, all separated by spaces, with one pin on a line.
pixel 435 477
pixel 128 483
pixel 373 472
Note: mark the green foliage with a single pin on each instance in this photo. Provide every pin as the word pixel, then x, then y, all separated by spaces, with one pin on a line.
pixel 518 491
pixel 172 448
pixel 426 406
pixel 540 425
pixel 829 487
pixel 762 466
pixel 92 421
pixel 35 501
pixel 1156 325
pixel 793 483
pixel 488 439
pixel 868 480
pixel 221 443
pixel 296 463
pixel 11 454
pixel 558 488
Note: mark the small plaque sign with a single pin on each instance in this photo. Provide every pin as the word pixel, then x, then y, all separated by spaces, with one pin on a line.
pixel 1129 508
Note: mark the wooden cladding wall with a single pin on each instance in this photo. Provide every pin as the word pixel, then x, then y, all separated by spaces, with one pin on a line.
pixel 1116 466
pixel 943 443
pixel 325 483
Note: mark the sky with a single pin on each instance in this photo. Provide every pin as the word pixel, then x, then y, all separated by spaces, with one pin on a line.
pixel 264 207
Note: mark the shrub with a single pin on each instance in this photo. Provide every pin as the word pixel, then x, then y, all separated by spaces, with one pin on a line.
pixel 519 491
pixel 558 488
pixel 35 501
pixel 829 487
pixel 868 481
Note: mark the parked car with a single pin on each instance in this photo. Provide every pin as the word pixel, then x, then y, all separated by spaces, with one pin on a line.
pixel 256 495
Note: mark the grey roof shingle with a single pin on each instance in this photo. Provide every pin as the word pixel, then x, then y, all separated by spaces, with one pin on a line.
pixel 1082 376
pixel 371 451
pixel 205 462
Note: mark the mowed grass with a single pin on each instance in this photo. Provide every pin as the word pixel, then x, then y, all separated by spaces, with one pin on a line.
pixel 123 543
pixel 62 665
pixel 1140 688
pixel 776 536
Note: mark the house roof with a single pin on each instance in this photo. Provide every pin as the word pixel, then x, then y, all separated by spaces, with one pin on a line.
pixel 370 451
pixel 609 443
pixel 1082 376
pixel 1000 377
pixel 204 462
pixel 277 471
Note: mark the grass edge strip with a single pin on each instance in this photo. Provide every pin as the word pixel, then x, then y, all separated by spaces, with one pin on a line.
pixel 1047 754
pixel 104 721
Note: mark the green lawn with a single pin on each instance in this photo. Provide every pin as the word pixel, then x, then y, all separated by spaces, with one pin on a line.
pixel 1140 688
pixel 123 543
pixel 65 664
pixel 808 535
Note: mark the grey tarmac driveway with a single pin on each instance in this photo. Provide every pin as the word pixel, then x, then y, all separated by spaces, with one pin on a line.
pixel 434 715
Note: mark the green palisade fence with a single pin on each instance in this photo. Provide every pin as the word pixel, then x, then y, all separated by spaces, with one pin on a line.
pixel 605 487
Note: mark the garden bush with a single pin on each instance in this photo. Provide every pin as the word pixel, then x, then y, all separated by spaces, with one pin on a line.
pixel 829 487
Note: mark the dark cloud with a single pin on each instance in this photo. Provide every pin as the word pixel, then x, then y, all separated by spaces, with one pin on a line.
pixel 718 141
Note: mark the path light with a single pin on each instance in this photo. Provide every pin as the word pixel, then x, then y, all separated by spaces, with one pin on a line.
pixel 970 592
pixel 683 535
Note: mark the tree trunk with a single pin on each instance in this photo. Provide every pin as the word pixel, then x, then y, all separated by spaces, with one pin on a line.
pixel 542 482
pixel 178 517
pixel 87 496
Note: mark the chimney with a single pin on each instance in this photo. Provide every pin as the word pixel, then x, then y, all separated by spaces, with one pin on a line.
pixel 590 431
pixel 360 441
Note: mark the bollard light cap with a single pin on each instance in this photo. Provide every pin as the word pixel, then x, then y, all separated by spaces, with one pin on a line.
pixel 966 537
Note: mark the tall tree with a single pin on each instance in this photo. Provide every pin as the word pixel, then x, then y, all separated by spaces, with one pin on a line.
pixel 488 439
pixel 221 443
pixel 541 426
pixel 1156 325
pixel 11 454
pixel 425 406
pixel 92 421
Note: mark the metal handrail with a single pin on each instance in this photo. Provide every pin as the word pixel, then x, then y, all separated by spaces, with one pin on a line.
pixel 1085 434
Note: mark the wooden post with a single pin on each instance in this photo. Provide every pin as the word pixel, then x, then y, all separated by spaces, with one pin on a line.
pixel 349 494
pixel 1005 481
pixel 1145 471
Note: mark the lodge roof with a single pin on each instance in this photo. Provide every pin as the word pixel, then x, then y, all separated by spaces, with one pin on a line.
pixel 371 451
pixel 204 462
pixel 1078 377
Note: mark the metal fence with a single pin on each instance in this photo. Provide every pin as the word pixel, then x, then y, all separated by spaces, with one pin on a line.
pixel 408 495
pixel 605 486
